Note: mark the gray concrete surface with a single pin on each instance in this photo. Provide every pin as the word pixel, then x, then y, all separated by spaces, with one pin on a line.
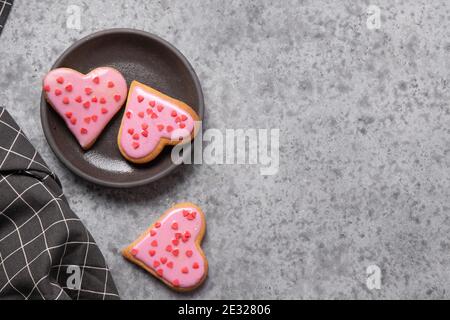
pixel 364 162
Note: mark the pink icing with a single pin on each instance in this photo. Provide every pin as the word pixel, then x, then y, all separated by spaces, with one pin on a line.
pixel 153 252
pixel 86 102
pixel 147 119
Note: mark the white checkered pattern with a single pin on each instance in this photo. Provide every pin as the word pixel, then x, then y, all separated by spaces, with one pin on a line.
pixel 5 6
pixel 40 237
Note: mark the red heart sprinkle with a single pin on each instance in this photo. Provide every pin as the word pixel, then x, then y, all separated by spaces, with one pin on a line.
pixel 128 114
pixel 149 111
pixel 135 145
pixel 187 234
pixel 58 92
pixel 140 99
pixel 94 118
pixel 117 97
pixel 152 233
pixel 175 242
pixel 110 84
pixel 160 272
pixel 131 131
pixel 87 104
pixel 176 283
pixel 96 80
pixel 144 126
pixel 184 239
pixel 183 117
pixel 73 121
pixel 141 114
pixel 157 225
pixel 169 129
pixel 175 252
pixel 182 125
pixel 136 136
pixel 185 270
pixel 78 99
pixel 69 115
pixel 87 120
pixel 104 110
pixel 156 263
pixel 83 131
pixel 185 213
pixel 195 265
pixel 175 226
pixel 94 99
pixel 169 248
pixel 152 103
pixel 163 260
pixel 154 243
pixel 66 100
pixel 47 88
pixel 177 119
pixel 144 133
pixel 189 253
pixel 160 127
pixel 60 80
pixel 191 216
pixel 174 113
pixel 69 88
pixel 178 235
pixel 154 116
pixel 160 108
pixel 102 100
pixel 134 252
pixel 170 264
pixel 152 253
pixel 88 91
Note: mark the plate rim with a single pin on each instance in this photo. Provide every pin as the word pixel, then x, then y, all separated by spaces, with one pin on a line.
pixel 44 108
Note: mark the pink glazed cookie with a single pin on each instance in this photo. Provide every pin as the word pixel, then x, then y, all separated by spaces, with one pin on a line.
pixel 170 249
pixel 86 102
pixel 151 121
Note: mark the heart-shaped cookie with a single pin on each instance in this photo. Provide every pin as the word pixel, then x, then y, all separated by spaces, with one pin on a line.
pixel 170 249
pixel 151 121
pixel 86 102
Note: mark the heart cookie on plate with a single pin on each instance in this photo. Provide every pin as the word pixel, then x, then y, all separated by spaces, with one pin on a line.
pixel 86 102
pixel 151 121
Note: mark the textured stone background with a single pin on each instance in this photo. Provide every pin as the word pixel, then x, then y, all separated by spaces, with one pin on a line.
pixel 364 118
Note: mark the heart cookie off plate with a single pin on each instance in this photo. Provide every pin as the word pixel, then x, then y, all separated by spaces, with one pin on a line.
pixel 138 56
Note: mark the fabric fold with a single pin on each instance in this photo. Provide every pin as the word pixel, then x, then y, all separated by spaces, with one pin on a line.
pixel 45 250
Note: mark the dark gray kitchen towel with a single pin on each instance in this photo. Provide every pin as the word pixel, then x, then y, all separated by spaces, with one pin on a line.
pixel 5 7
pixel 45 250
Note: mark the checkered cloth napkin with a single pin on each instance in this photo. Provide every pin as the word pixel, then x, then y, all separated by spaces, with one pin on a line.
pixel 45 250
pixel 5 6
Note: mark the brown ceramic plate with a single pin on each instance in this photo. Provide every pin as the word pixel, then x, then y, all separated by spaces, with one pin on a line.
pixel 139 56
